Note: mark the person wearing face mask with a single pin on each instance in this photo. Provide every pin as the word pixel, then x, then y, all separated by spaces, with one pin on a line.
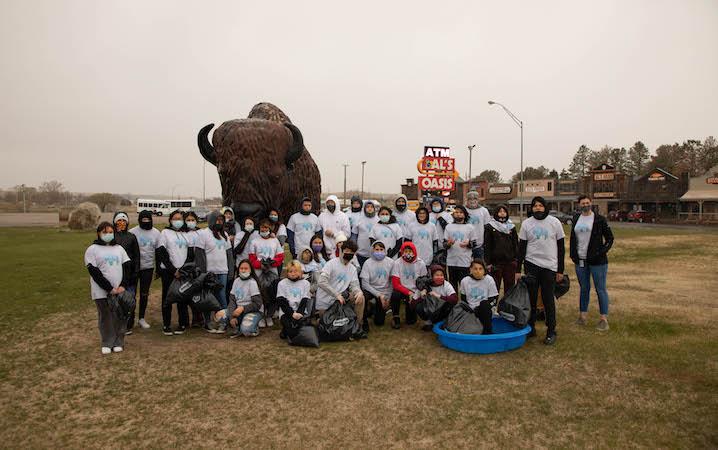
pixel 459 240
pixel 501 248
pixel 333 221
pixel 196 249
pixel 302 226
pixel 404 273
pixel 404 217
pixel 362 229
pixel 311 267
pixel 355 213
pixel 215 250
pixel 541 246
pixel 478 217
pixel 479 290
pixel 110 269
pixel 439 217
pixel 230 222
pixel 279 230
pixel 376 284
pixel 591 239
pixel 338 281
pixel 441 289
pixel 128 241
pixel 148 240
pixel 293 297
pixel 173 252
pixel 245 301
pixel 243 239
pixel 388 232
pixel 423 234
pixel 267 257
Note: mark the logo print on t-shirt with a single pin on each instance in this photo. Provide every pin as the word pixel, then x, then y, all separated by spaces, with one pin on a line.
pixel 239 293
pixel 385 233
pixel 477 293
pixel 369 226
pixel 342 277
pixel 295 292
pixel 457 236
pixel 423 234
pixel 381 273
pixel 540 233
pixel 582 229
pixel 408 273
pixel 219 244
pixel 111 260
pixel 474 219
pixel 145 241
pixel 307 226
pixel 265 251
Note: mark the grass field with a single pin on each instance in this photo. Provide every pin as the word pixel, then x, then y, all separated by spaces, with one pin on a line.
pixel 652 381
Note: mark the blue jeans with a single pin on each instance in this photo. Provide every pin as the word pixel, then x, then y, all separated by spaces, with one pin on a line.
pixel 477 252
pixel 248 322
pixel 584 275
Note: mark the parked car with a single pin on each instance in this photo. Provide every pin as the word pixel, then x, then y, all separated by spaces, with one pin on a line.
pixel 640 215
pixel 619 216
pixel 561 216
pixel 201 213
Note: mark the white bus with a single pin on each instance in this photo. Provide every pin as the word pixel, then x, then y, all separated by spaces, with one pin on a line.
pixel 164 207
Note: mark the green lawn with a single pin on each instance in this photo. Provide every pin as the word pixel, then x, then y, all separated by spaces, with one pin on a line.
pixel 651 381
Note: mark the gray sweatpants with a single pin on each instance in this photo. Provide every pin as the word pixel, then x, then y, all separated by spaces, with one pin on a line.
pixel 112 327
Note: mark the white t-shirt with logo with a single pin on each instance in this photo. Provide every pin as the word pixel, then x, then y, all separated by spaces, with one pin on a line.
pixel 335 222
pixel 176 243
pixel 266 249
pixel 405 219
pixel 304 228
pixel 340 277
pixel 376 275
pixel 541 237
pixel 244 290
pixel 215 250
pixel 444 290
pixel 148 240
pixel 293 291
pixel 460 233
pixel 354 218
pixel 423 237
pixel 583 229
pixel 479 217
pixel 109 259
pixel 409 272
pixel 434 218
pixel 362 228
pixel 245 253
pixel 193 238
pixel 388 234
pixel 477 291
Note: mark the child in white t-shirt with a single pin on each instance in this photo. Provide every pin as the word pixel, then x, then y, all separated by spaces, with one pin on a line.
pixel 293 298
pixel 479 290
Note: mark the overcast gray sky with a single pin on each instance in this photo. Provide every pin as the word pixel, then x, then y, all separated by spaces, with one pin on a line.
pixel 109 95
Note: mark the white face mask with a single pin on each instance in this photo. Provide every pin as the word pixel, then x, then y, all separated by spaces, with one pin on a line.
pixel 436 208
pixel 264 234
pixel 384 218
pixel 177 224
pixel 191 224
pixel 249 228
pixel 245 275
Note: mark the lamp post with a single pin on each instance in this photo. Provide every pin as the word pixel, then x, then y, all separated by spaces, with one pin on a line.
pixel 345 184
pixel 24 209
pixel 521 184
pixel 471 148
pixel 363 163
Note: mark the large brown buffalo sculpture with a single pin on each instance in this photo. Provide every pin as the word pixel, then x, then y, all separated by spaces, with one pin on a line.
pixel 262 163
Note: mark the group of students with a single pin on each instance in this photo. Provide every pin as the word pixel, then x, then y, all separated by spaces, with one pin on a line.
pixel 369 257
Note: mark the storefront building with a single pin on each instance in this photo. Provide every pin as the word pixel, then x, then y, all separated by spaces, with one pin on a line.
pixel 657 191
pixel 606 186
pixel 700 203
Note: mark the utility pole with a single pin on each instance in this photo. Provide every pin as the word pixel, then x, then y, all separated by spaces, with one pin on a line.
pixel 471 148
pixel 345 183
pixel 363 163
pixel 24 208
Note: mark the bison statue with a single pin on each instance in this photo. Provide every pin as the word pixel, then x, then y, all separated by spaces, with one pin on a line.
pixel 262 163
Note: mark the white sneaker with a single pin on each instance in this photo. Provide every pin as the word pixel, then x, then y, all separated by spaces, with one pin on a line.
pixel 143 324
pixel 117 349
pixel 270 322
pixel 106 350
pixel 262 323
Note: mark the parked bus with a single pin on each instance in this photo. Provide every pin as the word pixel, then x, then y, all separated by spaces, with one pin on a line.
pixel 164 207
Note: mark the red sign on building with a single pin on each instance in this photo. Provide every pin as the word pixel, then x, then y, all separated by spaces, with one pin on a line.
pixel 436 183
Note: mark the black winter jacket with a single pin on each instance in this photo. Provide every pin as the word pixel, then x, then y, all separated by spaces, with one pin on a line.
pixel 598 246
pixel 500 248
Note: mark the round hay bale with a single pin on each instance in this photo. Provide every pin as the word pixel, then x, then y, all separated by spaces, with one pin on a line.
pixel 65 213
pixel 85 217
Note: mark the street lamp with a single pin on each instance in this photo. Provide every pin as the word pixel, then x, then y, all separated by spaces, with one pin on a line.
pixel 521 184
pixel 471 148
pixel 363 163
pixel 344 200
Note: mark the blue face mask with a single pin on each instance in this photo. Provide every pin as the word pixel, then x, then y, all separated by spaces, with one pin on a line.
pixel 379 255
pixel 384 219
pixel 191 225
pixel 108 237
pixel 177 224
pixel 273 218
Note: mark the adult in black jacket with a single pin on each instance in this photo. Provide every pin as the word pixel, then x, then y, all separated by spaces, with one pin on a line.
pixel 501 248
pixel 128 241
pixel 591 239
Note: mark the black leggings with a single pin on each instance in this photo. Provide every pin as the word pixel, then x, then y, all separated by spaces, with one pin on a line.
pixel 456 274
pixel 397 298
pixel 378 311
pixel 483 312
pixel 144 281
pixel 167 279
pixel 544 279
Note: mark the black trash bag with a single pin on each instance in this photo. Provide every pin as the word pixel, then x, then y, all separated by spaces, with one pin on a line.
pixel 433 309
pixel 562 287
pixel 339 323
pixel 515 307
pixel 267 278
pixel 423 283
pixel 191 280
pixel 462 319
pixel 126 302
pixel 302 334
pixel 205 301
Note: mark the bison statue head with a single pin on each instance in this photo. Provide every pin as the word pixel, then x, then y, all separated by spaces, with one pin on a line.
pixel 262 163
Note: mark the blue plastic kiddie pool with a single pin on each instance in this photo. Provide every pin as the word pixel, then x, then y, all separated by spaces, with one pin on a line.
pixel 505 337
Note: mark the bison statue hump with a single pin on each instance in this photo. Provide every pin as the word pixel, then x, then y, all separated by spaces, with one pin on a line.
pixel 262 163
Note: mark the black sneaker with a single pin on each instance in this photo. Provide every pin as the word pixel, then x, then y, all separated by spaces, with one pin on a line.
pixel 282 335
pixel 179 330
pixel 128 332
pixel 550 339
pixel 532 333
pixel 167 331
pixel 395 323
pixel 236 334
pixel 360 335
